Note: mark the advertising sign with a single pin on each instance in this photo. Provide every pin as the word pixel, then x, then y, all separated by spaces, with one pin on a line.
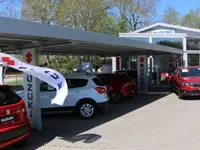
pixel 163 31
pixel 142 74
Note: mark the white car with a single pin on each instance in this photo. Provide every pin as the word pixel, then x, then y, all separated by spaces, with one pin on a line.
pixel 86 94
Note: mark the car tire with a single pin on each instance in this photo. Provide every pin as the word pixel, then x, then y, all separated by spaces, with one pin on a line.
pixel 172 89
pixel 86 109
pixel 180 96
pixel 115 97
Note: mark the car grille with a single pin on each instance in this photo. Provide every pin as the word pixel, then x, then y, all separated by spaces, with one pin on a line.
pixel 11 134
pixel 196 84
pixel 195 92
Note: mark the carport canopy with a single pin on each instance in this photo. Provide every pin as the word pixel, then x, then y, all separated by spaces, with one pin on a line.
pixel 16 35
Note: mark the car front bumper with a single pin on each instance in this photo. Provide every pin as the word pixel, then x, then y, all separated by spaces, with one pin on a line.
pixel 190 92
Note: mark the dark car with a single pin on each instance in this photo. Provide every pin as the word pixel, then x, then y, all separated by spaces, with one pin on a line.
pixel 118 85
pixel 14 123
pixel 186 81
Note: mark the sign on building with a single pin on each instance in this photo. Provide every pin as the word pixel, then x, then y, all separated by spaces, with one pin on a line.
pixel 163 31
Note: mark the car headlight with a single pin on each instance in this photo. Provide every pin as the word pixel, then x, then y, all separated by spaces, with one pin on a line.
pixel 185 84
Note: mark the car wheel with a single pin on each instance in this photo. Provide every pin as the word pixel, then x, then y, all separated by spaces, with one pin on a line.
pixel 172 89
pixel 115 97
pixel 180 96
pixel 86 109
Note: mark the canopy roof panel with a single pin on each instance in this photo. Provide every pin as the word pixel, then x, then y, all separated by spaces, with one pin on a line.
pixel 16 35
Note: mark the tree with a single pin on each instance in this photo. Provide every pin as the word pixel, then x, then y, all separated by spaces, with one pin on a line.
pixel 42 11
pixel 88 15
pixel 192 19
pixel 110 26
pixel 171 16
pixel 136 12
pixel 39 10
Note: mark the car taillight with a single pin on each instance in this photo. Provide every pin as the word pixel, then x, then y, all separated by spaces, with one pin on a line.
pixel 23 111
pixel 100 90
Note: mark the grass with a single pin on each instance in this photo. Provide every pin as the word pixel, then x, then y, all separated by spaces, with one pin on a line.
pixel 19 82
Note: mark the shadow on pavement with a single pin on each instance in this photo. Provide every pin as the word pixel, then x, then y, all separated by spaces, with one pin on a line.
pixel 68 127
pixel 195 98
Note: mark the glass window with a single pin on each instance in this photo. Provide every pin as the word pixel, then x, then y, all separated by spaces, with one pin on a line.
pixel 142 39
pixel 43 86
pixel 76 83
pixel 122 77
pixel 46 87
pixel 7 96
pixel 193 59
pixel 105 78
pixel 171 42
pixel 193 44
pixel 190 72
pixel 97 81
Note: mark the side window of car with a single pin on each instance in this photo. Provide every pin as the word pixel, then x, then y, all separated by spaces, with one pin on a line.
pixel 46 87
pixel 76 83
pixel 50 88
pixel 43 86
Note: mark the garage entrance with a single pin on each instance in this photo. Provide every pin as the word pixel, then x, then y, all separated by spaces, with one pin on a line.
pixel 32 39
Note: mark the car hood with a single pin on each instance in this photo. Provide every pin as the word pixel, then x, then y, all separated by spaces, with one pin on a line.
pixel 191 79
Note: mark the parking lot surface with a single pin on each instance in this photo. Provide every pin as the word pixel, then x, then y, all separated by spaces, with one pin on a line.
pixel 147 122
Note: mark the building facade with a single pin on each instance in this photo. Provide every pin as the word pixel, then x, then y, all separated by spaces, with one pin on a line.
pixel 176 36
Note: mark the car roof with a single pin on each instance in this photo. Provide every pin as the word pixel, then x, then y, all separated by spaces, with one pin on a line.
pixel 80 76
pixel 126 70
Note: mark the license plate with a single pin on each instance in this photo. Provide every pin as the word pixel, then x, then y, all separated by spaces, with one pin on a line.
pixel 7 119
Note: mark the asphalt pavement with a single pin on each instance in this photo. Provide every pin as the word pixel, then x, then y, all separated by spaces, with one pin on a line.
pixel 147 122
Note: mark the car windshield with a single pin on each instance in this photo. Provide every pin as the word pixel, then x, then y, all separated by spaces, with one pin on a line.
pixel 132 73
pixel 105 78
pixel 122 77
pixel 190 72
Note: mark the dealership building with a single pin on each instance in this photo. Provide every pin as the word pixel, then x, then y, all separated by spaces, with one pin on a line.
pixel 187 39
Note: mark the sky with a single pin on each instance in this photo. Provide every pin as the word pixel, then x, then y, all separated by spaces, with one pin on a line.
pixel 182 6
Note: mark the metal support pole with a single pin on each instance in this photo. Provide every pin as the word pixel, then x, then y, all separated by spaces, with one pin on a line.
pixel 114 64
pixel 120 63
pixel 185 55
pixel 150 66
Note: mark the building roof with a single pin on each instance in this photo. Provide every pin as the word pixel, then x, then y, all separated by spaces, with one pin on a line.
pixel 168 26
pixel 16 35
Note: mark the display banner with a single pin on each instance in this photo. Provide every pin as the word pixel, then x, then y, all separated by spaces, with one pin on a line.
pixel 48 75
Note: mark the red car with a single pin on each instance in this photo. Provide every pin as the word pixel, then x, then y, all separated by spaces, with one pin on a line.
pixel 118 85
pixel 186 81
pixel 14 123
